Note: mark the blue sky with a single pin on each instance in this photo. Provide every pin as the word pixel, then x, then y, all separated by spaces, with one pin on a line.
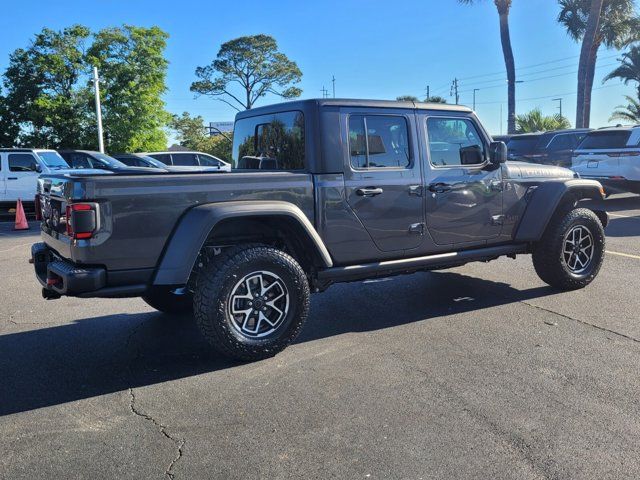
pixel 375 49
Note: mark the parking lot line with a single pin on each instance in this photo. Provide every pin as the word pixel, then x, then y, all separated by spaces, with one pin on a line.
pixel 623 254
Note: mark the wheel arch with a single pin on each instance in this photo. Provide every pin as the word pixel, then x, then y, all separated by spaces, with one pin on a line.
pixel 235 222
pixel 550 197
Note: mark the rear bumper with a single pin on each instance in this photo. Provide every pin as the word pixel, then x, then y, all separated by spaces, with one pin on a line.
pixel 59 277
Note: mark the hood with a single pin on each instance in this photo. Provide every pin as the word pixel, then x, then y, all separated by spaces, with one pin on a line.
pixel 534 171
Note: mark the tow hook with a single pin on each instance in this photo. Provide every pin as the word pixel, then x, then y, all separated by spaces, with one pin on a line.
pixel 50 294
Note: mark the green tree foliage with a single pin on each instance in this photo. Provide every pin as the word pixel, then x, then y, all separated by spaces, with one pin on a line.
pixel 133 72
pixel 504 7
pixel 190 133
pixel 629 113
pixel 534 121
pixel 407 98
pixel 435 99
pixel 617 26
pixel 255 64
pixel 629 68
pixel 48 99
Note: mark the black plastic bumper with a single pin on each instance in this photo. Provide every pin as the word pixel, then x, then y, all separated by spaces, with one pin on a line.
pixel 63 277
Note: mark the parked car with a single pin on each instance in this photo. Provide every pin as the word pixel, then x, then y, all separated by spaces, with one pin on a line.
pixel 502 138
pixel 357 191
pixel 19 170
pixel 89 159
pixel 611 156
pixel 140 160
pixel 549 148
pixel 190 159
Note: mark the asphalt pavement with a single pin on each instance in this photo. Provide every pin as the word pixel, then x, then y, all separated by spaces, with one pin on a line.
pixel 476 372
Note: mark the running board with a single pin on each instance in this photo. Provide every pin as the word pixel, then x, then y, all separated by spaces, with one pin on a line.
pixel 407 265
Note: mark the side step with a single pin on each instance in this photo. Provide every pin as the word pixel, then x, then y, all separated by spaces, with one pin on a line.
pixel 408 265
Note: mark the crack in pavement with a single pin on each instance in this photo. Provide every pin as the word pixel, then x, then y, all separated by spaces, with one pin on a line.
pixel 604 329
pixel 179 443
pixel 136 410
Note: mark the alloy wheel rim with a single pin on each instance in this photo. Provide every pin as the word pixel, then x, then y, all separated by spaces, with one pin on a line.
pixel 258 304
pixel 578 249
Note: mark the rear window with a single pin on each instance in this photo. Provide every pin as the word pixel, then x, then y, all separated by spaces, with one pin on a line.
pixel 605 140
pixel 523 144
pixel 185 159
pixel 269 142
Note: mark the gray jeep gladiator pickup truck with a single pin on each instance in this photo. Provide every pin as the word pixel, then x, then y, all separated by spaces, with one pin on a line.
pixel 322 191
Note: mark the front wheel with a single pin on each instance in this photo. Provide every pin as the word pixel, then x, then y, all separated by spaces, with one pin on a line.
pixel 570 253
pixel 251 301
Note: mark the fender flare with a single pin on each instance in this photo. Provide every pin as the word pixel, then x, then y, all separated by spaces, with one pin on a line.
pixel 194 227
pixel 545 201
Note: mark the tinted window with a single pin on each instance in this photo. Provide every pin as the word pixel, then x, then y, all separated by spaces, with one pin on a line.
pixel 163 157
pixel 378 141
pixel 129 161
pixel 78 160
pixel 185 159
pixel 523 144
pixel 269 142
pixel 208 161
pixel 454 142
pixel 22 162
pixel 561 142
pixel 604 140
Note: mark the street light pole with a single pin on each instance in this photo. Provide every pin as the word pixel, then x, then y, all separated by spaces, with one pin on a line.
pixel 96 86
pixel 558 100
pixel 474 98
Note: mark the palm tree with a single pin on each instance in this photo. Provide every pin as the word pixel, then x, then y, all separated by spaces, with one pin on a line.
pixel 615 27
pixel 504 6
pixel 629 69
pixel 630 112
pixel 534 121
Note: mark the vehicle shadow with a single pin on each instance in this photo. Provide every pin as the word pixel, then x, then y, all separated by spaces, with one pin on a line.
pixel 623 227
pixel 96 356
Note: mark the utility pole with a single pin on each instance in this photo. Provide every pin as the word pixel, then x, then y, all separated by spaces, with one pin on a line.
pixel 454 91
pixel 428 93
pixel 501 119
pixel 325 92
pixel 96 86
pixel 474 98
pixel 333 82
pixel 558 100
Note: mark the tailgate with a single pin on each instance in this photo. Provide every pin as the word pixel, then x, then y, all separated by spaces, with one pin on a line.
pixel 604 163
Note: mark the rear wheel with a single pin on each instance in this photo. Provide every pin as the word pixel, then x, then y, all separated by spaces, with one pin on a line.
pixel 570 253
pixel 169 301
pixel 251 301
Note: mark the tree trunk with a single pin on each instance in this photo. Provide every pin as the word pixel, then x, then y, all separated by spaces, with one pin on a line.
pixel 588 88
pixel 510 65
pixel 586 54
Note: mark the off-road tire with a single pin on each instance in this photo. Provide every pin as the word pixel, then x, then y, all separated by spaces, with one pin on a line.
pixel 165 301
pixel 215 286
pixel 548 258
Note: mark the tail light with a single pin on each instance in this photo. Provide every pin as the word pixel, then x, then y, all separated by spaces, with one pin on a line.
pixel 38 207
pixel 81 220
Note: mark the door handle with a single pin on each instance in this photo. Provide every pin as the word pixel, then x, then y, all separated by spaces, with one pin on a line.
pixel 439 187
pixel 369 191
pixel 12 178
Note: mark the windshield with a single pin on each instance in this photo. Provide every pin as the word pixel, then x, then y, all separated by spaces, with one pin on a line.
pixel 106 160
pixel 605 140
pixel 153 161
pixel 53 160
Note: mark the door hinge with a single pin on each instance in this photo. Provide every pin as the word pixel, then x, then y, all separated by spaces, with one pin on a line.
pixel 497 220
pixel 417 228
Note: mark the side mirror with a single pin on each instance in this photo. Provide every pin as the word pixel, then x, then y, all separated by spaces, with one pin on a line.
pixel 497 153
pixel 36 167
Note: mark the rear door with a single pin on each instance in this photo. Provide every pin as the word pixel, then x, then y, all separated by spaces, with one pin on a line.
pixel 383 178
pixel 185 159
pixel 21 176
pixel 464 191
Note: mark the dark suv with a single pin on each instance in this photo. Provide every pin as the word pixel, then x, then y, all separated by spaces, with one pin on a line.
pixel 549 148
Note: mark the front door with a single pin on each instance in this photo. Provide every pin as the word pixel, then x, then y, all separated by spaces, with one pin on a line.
pixel 21 176
pixel 464 191
pixel 383 180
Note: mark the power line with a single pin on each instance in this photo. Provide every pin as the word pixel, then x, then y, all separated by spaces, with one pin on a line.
pixel 550 96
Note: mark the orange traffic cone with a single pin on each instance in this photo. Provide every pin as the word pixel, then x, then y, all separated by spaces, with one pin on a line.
pixel 21 218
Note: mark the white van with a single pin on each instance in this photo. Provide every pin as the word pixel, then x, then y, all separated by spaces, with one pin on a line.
pixel 19 171
pixel 611 156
